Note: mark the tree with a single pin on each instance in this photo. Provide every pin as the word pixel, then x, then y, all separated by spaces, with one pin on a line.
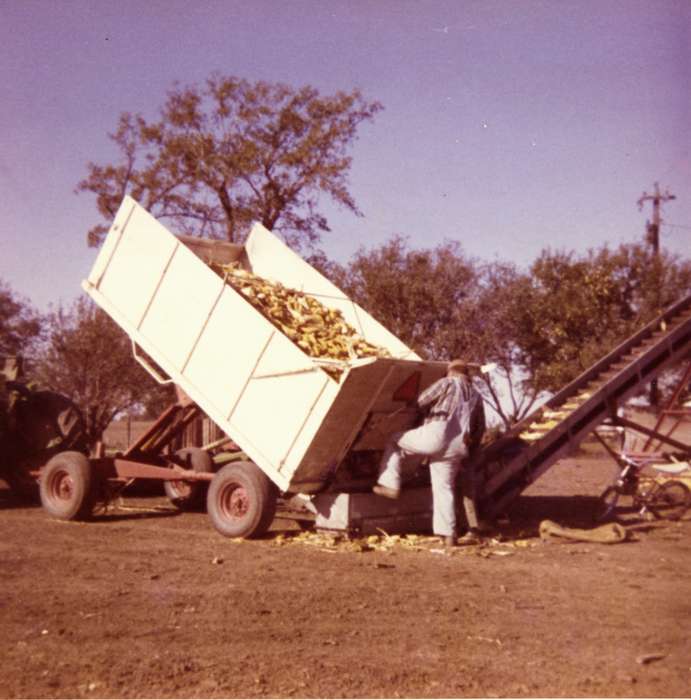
pixel 491 337
pixel 542 327
pixel 231 152
pixel 422 296
pixel 20 325
pixel 88 358
pixel 575 310
pixel 444 305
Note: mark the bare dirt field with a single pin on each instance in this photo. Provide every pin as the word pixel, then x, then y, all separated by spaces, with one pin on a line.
pixel 145 602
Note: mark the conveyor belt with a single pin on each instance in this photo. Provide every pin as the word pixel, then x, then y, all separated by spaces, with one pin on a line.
pixel 548 434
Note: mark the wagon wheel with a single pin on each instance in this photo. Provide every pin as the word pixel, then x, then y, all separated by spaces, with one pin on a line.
pixel 241 501
pixel 66 486
pixel 48 423
pixel 189 495
pixel 671 500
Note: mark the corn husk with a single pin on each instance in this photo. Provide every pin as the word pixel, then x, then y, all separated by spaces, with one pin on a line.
pixel 319 331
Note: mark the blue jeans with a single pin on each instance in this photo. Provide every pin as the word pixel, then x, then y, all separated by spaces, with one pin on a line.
pixel 442 442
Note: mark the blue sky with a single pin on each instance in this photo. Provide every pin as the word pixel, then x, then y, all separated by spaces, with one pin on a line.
pixel 509 126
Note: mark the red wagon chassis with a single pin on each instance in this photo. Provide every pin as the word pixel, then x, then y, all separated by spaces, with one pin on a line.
pixel 151 456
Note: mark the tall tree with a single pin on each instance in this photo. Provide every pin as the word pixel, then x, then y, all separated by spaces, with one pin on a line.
pixel 542 327
pixel 20 325
pixel 88 358
pixel 422 296
pixel 576 309
pixel 445 305
pixel 491 335
pixel 231 151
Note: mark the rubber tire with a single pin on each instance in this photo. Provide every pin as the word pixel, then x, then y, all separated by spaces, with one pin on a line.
pixel 48 423
pixel 255 506
pixel 190 495
pixel 670 501
pixel 66 487
pixel 608 504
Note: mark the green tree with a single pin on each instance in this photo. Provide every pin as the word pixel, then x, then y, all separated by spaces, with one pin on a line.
pixel 490 336
pixel 231 152
pixel 445 305
pixel 576 309
pixel 542 327
pixel 422 296
pixel 20 325
pixel 88 358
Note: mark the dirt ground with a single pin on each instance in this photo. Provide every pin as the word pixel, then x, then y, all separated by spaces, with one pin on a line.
pixel 145 602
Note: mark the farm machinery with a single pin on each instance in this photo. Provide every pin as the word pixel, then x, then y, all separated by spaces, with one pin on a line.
pixel 35 425
pixel 303 423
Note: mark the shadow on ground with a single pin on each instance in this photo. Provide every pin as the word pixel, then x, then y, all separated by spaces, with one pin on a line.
pixel 527 512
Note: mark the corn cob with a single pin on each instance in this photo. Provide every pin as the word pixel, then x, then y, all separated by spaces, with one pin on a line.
pixel 317 330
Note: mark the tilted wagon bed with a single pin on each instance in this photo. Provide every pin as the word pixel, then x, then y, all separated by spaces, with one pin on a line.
pixel 301 425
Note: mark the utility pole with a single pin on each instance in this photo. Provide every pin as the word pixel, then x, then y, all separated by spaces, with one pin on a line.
pixel 652 236
pixel 652 228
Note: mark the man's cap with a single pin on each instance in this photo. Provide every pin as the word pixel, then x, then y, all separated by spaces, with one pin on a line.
pixel 461 366
pixel 465 367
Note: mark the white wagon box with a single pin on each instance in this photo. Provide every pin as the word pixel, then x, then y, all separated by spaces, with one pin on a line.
pixel 295 421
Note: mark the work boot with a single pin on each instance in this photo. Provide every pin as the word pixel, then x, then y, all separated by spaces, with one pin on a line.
pixel 386 491
pixel 470 537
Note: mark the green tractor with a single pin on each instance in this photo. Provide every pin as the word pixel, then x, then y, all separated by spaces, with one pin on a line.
pixel 34 426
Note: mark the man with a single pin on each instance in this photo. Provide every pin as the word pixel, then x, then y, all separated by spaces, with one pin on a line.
pixel 451 431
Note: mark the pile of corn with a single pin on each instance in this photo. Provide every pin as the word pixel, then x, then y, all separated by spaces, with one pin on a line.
pixel 317 330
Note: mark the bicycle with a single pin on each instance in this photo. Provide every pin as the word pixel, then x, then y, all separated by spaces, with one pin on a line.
pixel 664 498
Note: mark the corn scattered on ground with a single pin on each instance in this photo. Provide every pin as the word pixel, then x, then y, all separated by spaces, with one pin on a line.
pixel 389 544
pixel 317 330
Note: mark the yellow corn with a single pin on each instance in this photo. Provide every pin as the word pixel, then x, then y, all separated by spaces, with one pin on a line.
pixel 319 331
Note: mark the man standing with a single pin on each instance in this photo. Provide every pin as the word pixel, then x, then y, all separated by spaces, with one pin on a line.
pixel 453 428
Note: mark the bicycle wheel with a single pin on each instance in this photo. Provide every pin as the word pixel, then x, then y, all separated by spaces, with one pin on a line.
pixel 670 500
pixel 608 503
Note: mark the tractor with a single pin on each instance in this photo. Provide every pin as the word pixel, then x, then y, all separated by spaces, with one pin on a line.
pixel 35 425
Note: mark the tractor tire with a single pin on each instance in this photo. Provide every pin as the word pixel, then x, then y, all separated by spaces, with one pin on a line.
pixel 241 501
pixel 48 420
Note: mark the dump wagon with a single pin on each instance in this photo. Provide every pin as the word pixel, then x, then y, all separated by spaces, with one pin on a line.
pixel 304 428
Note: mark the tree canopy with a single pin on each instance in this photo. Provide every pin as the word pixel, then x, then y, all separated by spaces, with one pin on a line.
pixel 422 296
pixel 230 152
pixel 20 325
pixel 573 310
pixel 88 358
pixel 542 327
